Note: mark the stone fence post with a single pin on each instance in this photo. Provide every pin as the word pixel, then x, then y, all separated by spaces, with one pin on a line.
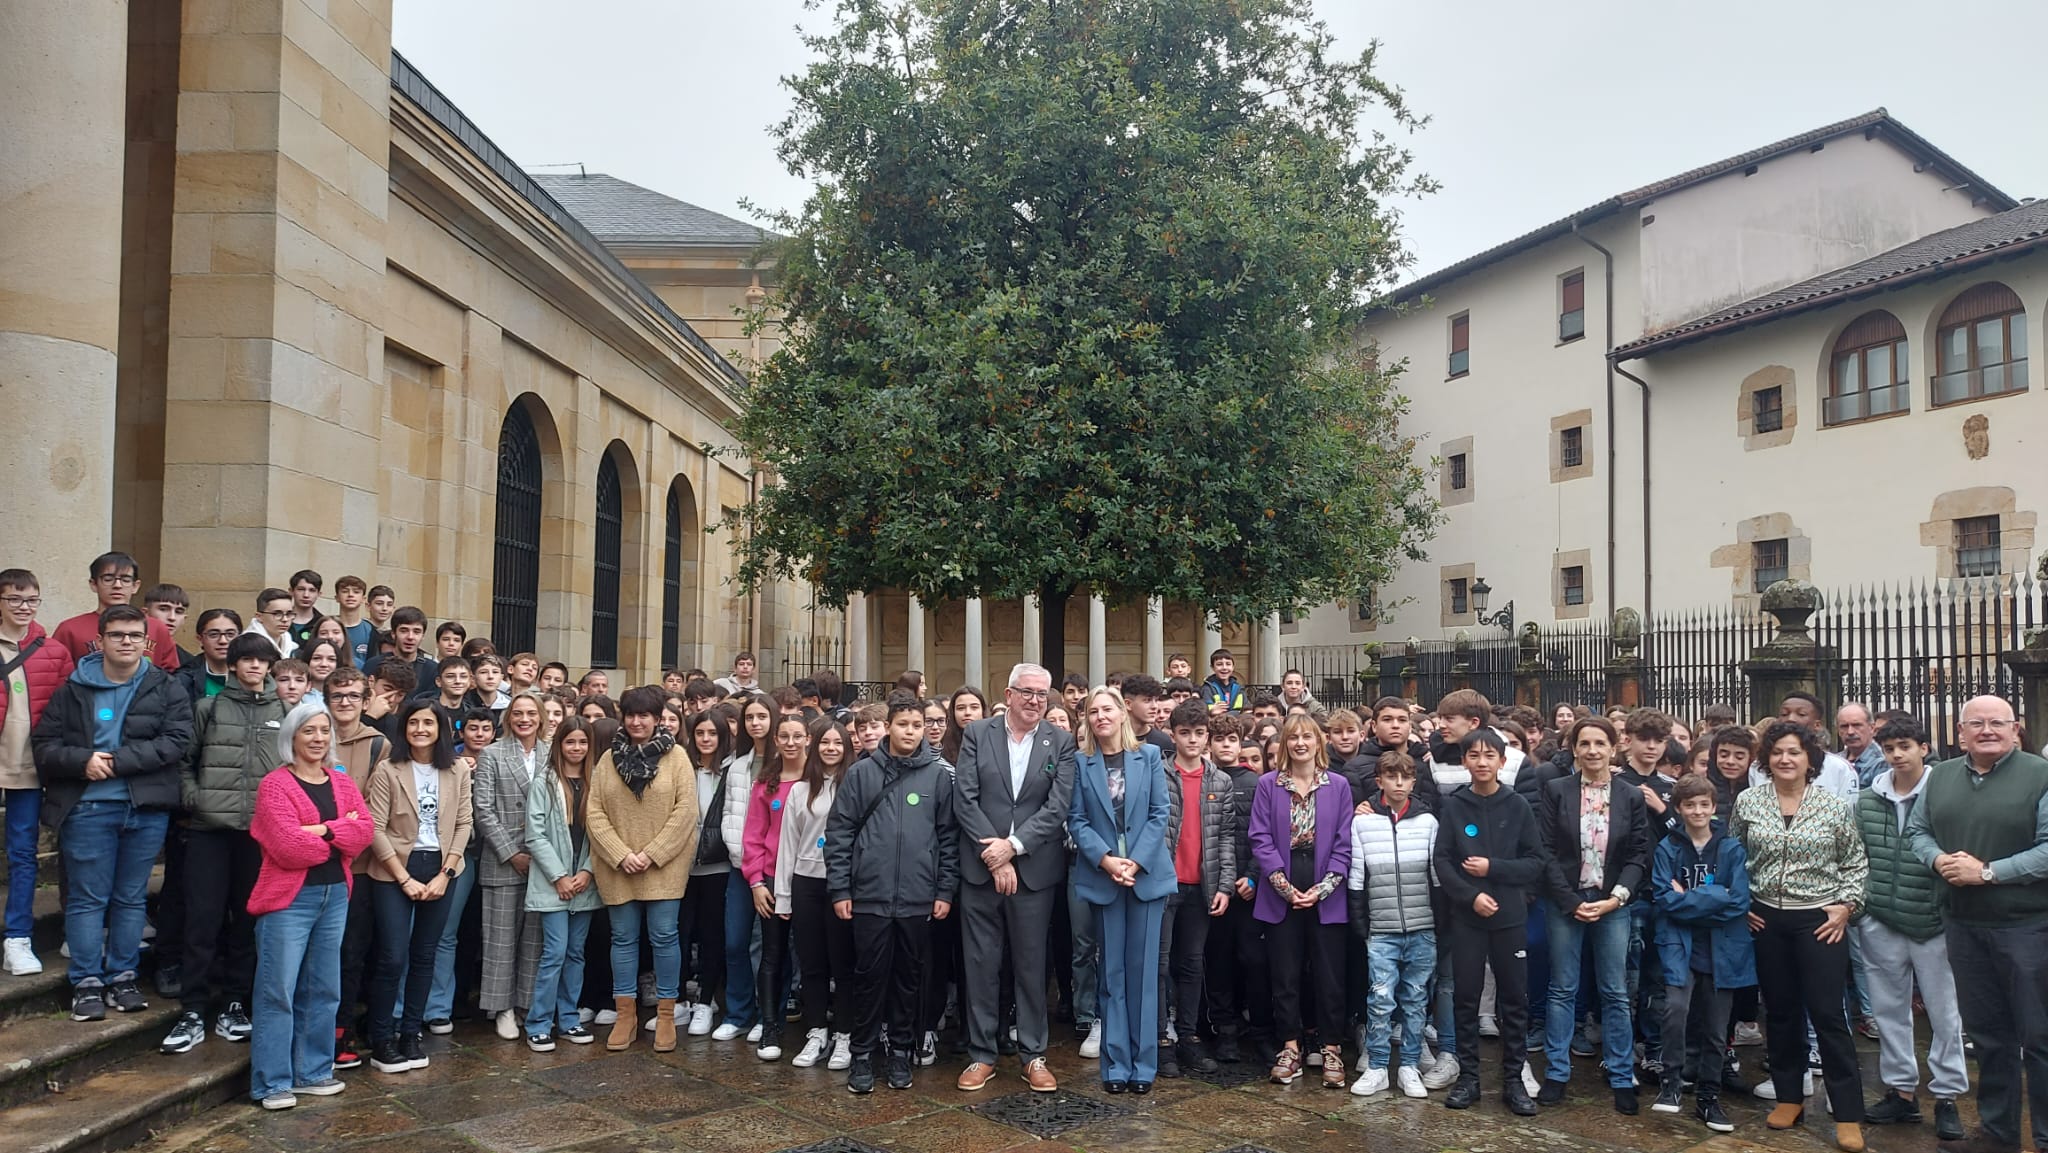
pixel 1624 667
pixel 1792 661
pixel 2030 664
pixel 1529 667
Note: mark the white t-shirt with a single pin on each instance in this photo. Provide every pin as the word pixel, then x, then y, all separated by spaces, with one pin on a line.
pixel 426 791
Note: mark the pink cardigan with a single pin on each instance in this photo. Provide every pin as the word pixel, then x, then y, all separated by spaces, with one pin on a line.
pixel 288 850
pixel 764 832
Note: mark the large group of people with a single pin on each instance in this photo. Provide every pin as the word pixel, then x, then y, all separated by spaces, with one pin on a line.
pixel 362 837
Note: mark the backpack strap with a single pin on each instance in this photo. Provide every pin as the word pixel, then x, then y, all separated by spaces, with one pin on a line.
pixel 21 656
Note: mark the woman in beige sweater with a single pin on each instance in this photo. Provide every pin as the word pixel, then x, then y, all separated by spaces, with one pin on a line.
pixel 642 819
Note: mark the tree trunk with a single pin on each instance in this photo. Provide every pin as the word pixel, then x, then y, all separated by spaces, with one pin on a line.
pixel 1052 632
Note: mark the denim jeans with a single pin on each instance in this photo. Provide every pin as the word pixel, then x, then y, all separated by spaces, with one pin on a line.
pixel 408 932
pixel 1608 939
pixel 661 918
pixel 1086 922
pixel 1539 966
pixel 441 994
pixel 109 848
pixel 1443 997
pixel 558 978
pixel 1401 965
pixel 740 925
pixel 24 810
pixel 298 989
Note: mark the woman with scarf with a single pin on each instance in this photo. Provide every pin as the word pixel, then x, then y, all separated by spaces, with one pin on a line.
pixel 641 816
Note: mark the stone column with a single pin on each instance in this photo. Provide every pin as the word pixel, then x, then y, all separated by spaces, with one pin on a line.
pixel 63 129
pixel 2031 665
pixel 1791 661
pixel 1098 640
pixel 976 654
pixel 1034 644
pixel 915 655
pixel 1212 639
pixel 1155 637
pixel 1269 650
pixel 857 637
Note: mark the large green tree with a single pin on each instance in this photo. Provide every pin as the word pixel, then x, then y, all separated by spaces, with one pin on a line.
pixel 1074 306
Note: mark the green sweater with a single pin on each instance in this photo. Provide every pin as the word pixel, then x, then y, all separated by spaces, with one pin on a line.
pixel 1992 816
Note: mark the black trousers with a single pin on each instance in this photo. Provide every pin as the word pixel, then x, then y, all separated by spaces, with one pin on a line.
pixel 1473 948
pixel 357 940
pixel 772 981
pixel 942 963
pixel 702 921
pixel 408 937
pixel 1307 954
pixel 220 936
pixel 597 962
pixel 170 902
pixel 1237 972
pixel 1804 980
pixel 2002 990
pixel 824 950
pixel 889 959
pixel 1183 953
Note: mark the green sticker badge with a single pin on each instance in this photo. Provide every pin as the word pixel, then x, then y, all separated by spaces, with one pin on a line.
pixel 911 799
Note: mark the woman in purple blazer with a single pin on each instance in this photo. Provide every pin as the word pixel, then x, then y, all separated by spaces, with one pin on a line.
pixel 1301 846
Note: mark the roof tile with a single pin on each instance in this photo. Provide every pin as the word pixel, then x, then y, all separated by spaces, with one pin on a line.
pixel 620 212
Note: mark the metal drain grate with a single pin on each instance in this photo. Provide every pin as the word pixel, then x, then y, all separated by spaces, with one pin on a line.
pixel 837 1145
pixel 1048 1114
pixel 1245 1149
pixel 1231 1076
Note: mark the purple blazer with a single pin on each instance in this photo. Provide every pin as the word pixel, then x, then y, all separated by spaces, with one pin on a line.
pixel 1272 833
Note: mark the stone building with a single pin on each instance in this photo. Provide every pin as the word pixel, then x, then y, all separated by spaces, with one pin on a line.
pixel 269 301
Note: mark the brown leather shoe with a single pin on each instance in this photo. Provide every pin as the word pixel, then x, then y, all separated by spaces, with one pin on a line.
pixel 974 1077
pixel 1785 1116
pixel 1039 1077
pixel 628 1024
pixel 1849 1137
pixel 665 1026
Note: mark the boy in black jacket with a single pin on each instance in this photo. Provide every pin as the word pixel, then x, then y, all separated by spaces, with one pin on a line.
pixel 1489 859
pixel 892 863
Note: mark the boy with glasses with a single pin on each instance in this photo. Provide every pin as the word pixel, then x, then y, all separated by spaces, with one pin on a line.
pixel 207 673
pixel 34 669
pixel 273 621
pixel 115 578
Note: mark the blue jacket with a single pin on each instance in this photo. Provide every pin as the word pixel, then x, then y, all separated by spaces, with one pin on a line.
pixel 1716 898
pixel 1092 823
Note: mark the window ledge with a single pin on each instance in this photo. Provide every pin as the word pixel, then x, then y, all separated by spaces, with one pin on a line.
pixel 1570 340
pixel 1976 399
pixel 1861 420
pixel 1458 375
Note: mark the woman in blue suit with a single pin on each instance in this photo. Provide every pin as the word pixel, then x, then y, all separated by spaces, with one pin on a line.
pixel 1118 822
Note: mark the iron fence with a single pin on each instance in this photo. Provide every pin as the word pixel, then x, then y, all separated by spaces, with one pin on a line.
pixel 809 656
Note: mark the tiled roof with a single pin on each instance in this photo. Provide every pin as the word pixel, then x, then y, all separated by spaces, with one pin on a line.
pixel 620 212
pixel 1877 121
pixel 2018 230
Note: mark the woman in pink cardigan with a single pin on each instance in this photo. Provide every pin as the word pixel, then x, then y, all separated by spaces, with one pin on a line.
pixel 773 775
pixel 310 822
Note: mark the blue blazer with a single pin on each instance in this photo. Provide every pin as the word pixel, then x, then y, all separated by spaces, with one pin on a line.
pixel 1092 822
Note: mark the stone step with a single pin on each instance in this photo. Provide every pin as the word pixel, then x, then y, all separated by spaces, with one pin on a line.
pixel 32 996
pixel 129 1101
pixel 49 1052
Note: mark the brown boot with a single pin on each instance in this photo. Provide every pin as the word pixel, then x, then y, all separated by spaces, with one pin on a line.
pixel 665 1026
pixel 1785 1116
pixel 623 1029
pixel 1849 1137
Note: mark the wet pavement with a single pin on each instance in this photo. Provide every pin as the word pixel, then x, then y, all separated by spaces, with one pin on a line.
pixel 484 1094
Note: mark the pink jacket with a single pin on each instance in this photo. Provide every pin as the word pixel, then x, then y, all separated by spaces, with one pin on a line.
pixel 288 850
pixel 764 832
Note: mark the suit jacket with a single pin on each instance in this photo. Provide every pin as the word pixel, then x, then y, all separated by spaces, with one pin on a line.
pixel 396 814
pixel 1037 813
pixel 1628 840
pixel 1272 834
pixel 1148 806
pixel 499 791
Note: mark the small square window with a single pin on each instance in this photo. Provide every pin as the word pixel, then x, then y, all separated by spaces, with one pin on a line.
pixel 1571 581
pixel 1458 475
pixel 1772 562
pixel 1571 306
pixel 1977 547
pixel 1366 605
pixel 1767 409
pixel 1461 345
pixel 1571 447
pixel 1460 605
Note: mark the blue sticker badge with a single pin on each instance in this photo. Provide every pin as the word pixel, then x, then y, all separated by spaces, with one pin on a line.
pixel 821 842
pixel 911 799
pixel 106 714
pixel 1471 830
pixel 775 806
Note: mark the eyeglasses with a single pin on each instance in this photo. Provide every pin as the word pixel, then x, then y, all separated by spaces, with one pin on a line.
pixel 1978 726
pixel 1031 694
pixel 344 698
pixel 117 579
pixel 124 638
pixel 21 602
pixel 219 634
pixel 278 613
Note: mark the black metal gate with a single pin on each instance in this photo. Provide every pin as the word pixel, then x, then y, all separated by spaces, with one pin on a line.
pixel 515 576
pixel 604 593
pixel 672 586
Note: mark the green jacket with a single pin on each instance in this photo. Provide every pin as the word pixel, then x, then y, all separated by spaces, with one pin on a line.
pixel 1902 893
pixel 554 852
pixel 234 746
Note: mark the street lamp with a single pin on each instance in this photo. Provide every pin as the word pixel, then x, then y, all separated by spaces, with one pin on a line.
pixel 1505 618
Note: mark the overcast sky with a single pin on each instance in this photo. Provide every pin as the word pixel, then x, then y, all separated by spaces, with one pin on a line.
pixel 1537 109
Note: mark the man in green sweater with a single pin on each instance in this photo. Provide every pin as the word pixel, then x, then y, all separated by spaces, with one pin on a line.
pixel 1982 825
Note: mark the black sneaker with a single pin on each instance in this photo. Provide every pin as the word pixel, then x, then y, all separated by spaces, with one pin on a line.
pixel 1226 1049
pixel 928 1050
pixel 189 1031
pixel 899 1068
pixel 1710 1114
pixel 1195 1059
pixel 1894 1108
pixel 348 1052
pixel 1463 1095
pixel 1625 1101
pixel 1669 1099
pixel 860 1076
pixel 387 1057
pixel 170 982
pixel 89 1003
pixel 1948 1124
pixel 415 1057
pixel 1169 1062
pixel 1517 1098
pixel 1552 1093
pixel 233 1023
pixel 126 997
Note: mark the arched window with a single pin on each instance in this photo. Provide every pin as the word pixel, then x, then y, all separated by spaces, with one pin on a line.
pixel 515 576
pixel 604 593
pixel 1981 345
pixel 672 585
pixel 1867 373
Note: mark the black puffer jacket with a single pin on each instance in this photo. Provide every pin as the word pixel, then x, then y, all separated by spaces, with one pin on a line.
pixel 154 738
pixel 892 842
pixel 1219 843
pixel 1363 771
pixel 1244 785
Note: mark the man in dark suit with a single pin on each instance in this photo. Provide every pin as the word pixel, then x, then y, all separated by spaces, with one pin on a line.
pixel 1014 784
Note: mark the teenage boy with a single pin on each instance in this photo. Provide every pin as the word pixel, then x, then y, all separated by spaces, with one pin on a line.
pixel 1393 853
pixel 1200 830
pixel 114 580
pixel 1699 882
pixel 292 678
pixel 273 621
pixel 1294 693
pixel 350 595
pixel 357 749
pixel 1141 696
pixel 1392 730
pixel 1222 692
pixel 1074 690
pixel 1346 733
pixel 305 589
pixel 382 607
pixel 1489 858
pixel 523 671
pixel 488 669
pixel 1460 713
pixel 742 679
pixel 448 640
pixel 1900 933
pixel 892 861
pixel 107 749
pixel 390 687
pixel 1177 665
pixel 35 669
pixel 169 604
pixel 870 725
pixel 553 675
pixel 409 632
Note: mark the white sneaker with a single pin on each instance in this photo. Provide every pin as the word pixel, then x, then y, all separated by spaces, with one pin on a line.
pixel 1764 1090
pixel 1410 1081
pixel 1442 1073
pixel 726 1031
pixel 754 1035
pixel 651 1023
pixel 1370 1082
pixel 1488 1027
pixel 1748 1034
pixel 1313 1057
pixel 586 1015
pixel 842 1052
pixel 769 1052
pixel 21 957
pixel 64 950
pixel 700 1020
pixel 815 1043
pixel 605 1017
pixel 1529 1081
pixel 1091 1046
pixel 508 1025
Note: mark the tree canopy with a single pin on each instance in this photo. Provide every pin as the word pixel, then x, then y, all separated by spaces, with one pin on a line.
pixel 1075 304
